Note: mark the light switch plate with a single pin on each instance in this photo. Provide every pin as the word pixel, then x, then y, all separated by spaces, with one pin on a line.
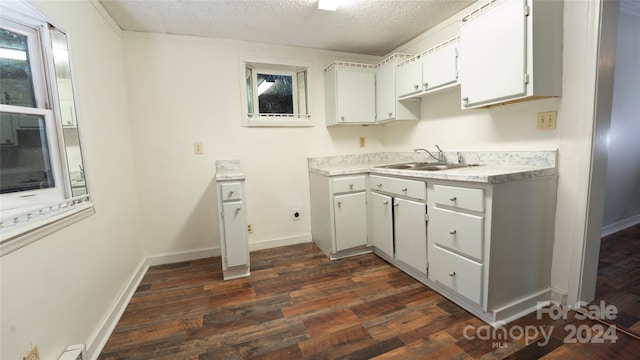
pixel 197 147
pixel 546 120
pixel 32 354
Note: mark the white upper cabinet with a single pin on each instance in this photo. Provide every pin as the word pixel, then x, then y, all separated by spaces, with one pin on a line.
pixel 439 67
pixel 510 50
pixel 434 69
pixel 387 105
pixel 350 93
pixel 409 78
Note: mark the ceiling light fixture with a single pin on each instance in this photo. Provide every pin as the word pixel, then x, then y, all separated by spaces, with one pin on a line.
pixel 330 5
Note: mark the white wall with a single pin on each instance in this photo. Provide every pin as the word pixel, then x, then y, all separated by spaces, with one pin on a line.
pixel 57 291
pixel 184 89
pixel 512 127
pixel 622 193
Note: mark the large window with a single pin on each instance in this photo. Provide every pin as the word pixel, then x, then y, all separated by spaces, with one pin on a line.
pixel 41 171
pixel 276 94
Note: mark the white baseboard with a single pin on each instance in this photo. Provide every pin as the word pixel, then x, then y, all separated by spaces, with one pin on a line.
pixel 183 256
pixel 558 297
pixel 619 225
pixel 291 240
pixel 100 337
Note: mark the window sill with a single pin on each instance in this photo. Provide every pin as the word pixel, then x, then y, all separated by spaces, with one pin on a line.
pixel 14 239
pixel 275 121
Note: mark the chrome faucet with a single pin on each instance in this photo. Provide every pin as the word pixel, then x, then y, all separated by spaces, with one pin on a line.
pixel 440 158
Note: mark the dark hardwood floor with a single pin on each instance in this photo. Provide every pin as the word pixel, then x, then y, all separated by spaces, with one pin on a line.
pixel 298 304
pixel 619 276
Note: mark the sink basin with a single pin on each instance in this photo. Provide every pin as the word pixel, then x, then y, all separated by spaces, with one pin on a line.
pixel 424 166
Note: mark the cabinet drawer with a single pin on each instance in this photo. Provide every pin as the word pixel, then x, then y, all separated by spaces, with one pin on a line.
pixel 231 191
pixel 459 197
pixel 460 232
pixel 349 184
pixel 457 273
pixel 403 187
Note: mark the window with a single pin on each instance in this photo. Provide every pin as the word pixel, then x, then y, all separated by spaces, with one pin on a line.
pixel 276 94
pixel 41 170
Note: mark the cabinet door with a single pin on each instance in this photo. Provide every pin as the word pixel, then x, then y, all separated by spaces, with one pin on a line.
pixel 385 92
pixel 235 240
pixel 439 68
pixel 356 96
pixel 409 79
pixel 493 55
pixel 410 229
pixel 381 211
pixel 350 217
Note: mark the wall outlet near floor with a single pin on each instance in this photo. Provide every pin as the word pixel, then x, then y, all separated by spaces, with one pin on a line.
pixel 197 147
pixel 249 229
pixel 362 142
pixel 296 214
pixel 32 354
pixel 546 120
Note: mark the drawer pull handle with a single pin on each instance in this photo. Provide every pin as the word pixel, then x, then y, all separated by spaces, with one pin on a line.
pixel 385 203
pixel 379 185
pixel 404 189
pixel 452 273
pixel 238 210
pixel 339 203
pixel 453 198
pixel 452 231
pixel 351 186
pixel 395 205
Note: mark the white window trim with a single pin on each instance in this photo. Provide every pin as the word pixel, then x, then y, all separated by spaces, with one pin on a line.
pixel 274 66
pixel 23 226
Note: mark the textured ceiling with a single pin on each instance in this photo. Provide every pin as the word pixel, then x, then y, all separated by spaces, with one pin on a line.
pixel 373 27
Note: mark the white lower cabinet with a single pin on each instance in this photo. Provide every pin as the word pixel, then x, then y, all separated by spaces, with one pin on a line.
pixel 350 217
pixel 490 246
pixel 234 242
pixel 339 214
pixel 410 233
pixel 397 207
pixel 381 228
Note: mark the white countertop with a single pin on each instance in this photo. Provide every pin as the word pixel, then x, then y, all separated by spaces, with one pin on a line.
pixel 488 173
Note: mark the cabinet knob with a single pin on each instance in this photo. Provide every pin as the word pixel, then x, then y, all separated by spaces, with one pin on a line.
pixel 425 85
pixel 385 203
pixel 238 210
pixel 404 189
pixel 339 203
pixel 452 231
pixel 416 86
pixel 341 118
pixel 350 186
pixel 395 205
pixel 379 185
pixel 390 114
pixel 465 99
pixel 452 273
pixel 453 198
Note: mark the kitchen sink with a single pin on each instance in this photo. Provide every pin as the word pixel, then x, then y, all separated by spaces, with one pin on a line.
pixel 423 166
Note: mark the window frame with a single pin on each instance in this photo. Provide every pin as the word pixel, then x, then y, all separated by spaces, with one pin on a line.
pixel 46 210
pixel 274 66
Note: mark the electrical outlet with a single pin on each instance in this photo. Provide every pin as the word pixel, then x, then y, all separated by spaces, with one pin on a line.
pixel 32 354
pixel 362 142
pixel 296 214
pixel 546 120
pixel 249 229
pixel 197 147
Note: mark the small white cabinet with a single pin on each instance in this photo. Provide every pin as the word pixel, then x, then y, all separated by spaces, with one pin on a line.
pixel 410 233
pixel 511 50
pixel 234 244
pixel 434 69
pixel 388 107
pixel 339 214
pixel 350 93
